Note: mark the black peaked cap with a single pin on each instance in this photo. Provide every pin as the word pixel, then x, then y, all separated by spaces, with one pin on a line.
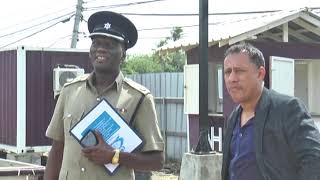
pixel 113 25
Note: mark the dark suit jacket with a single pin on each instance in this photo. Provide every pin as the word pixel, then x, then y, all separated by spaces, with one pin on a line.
pixel 287 142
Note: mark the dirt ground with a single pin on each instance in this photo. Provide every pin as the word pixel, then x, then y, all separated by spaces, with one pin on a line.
pixel 163 176
pixel 170 171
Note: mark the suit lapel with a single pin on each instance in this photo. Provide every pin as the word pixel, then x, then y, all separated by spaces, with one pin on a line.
pixel 232 121
pixel 227 140
pixel 261 113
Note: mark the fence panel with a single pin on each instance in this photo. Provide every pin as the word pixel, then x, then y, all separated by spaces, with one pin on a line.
pixel 167 89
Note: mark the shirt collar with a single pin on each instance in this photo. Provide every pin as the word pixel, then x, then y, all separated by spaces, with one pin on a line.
pixel 238 121
pixel 117 82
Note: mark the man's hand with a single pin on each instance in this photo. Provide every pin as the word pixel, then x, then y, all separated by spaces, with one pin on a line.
pixel 102 153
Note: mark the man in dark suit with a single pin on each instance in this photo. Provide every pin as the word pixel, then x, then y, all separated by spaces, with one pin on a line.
pixel 270 136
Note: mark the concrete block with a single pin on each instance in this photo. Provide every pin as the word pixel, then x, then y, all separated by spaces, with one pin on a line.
pixel 33 158
pixel 201 167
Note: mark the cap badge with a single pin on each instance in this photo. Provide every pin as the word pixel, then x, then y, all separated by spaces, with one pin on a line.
pixel 107 26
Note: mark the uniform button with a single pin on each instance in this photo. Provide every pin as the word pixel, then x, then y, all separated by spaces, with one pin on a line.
pixel 98 99
pixel 240 134
pixel 69 115
pixel 83 169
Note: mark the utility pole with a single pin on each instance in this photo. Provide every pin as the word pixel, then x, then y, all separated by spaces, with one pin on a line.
pixel 205 162
pixel 203 146
pixel 77 20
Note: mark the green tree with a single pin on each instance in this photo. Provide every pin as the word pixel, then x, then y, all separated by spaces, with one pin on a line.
pixel 139 64
pixel 176 33
pixel 162 42
pixel 171 62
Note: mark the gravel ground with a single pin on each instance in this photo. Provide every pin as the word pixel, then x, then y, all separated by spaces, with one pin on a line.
pixel 163 176
pixel 170 171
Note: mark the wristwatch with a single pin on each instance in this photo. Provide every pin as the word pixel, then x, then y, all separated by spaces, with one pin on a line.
pixel 115 158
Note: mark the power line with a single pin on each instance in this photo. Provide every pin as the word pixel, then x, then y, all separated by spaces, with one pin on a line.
pixel 214 23
pixel 85 2
pixel 158 28
pixel 30 35
pixel 120 5
pixel 59 39
pixel 45 22
pixel 167 27
pixel 194 14
pixel 153 37
pixel 210 14
pixel 184 26
pixel 158 14
pixel 37 18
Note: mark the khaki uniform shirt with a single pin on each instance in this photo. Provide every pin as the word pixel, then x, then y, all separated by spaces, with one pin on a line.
pixel 76 99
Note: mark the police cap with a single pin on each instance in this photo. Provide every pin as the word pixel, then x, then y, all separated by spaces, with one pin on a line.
pixel 113 25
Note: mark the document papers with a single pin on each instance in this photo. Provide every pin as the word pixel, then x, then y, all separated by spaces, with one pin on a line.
pixel 114 129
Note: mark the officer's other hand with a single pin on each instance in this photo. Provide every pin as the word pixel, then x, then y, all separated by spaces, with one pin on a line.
pixel 102 153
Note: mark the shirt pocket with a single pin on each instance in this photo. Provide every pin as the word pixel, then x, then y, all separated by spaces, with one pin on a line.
pixel 70 120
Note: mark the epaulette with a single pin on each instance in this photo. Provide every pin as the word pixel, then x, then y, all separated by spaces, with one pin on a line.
pixel 78 79
pixel 137 86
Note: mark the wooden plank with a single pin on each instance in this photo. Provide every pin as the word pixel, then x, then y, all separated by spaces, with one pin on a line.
pixel 309 27
pixel 272 36
pixel 223 42
pixel 300 36
pixel 285 32
pixel 310 19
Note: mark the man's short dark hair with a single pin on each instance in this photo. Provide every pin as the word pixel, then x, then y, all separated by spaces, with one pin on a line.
pixel 254 53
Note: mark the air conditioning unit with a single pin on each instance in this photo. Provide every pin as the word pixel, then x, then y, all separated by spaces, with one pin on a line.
pixel 63 74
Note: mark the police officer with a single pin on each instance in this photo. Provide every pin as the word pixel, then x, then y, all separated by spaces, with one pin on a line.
pixel 112 34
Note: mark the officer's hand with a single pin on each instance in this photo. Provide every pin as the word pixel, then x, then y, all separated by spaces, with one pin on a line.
pixel 102 153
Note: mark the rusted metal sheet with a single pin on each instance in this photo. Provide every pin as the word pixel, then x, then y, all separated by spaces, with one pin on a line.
pixel 8 97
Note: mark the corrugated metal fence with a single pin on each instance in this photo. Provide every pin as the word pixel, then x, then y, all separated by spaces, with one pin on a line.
pixel 167 88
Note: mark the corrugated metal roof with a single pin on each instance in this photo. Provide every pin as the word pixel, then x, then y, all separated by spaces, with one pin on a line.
pixel 223 28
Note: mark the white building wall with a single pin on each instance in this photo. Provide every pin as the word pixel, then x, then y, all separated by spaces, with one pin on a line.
pixel 314 87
